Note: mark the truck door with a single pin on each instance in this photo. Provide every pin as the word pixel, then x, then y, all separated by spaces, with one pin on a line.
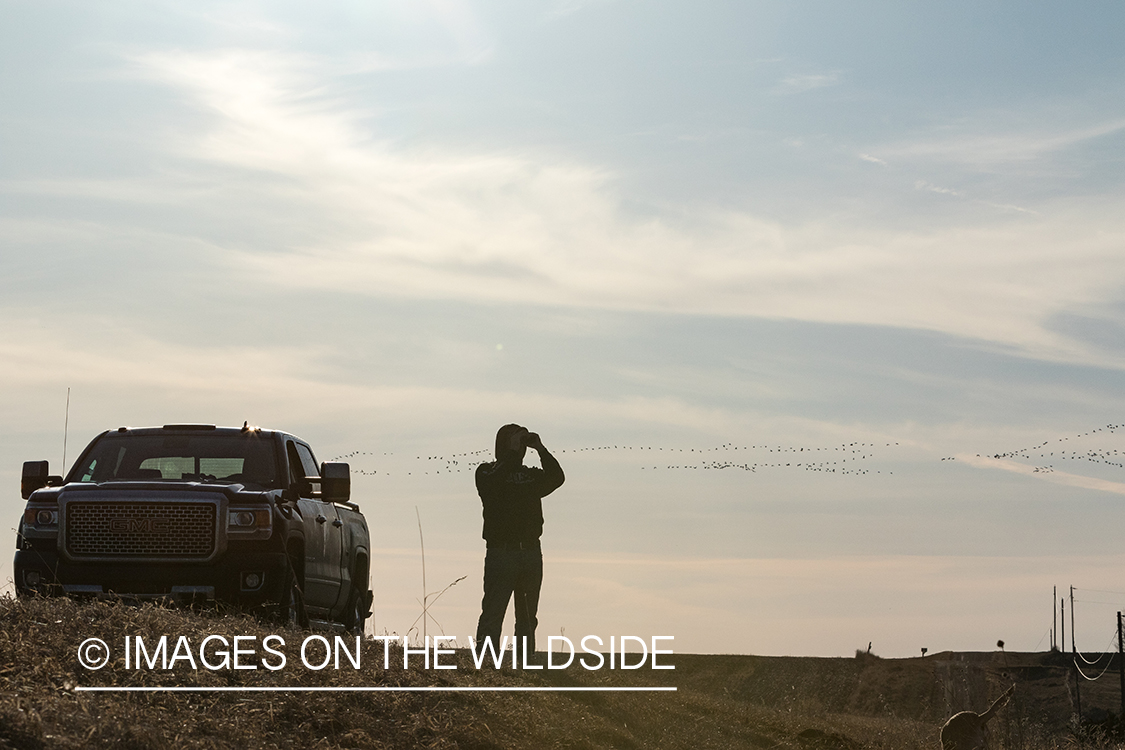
pixel 323 541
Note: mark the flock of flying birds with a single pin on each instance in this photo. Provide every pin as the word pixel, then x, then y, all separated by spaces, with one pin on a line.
pixel 851 458
pixel 1045 450
pixel 841 459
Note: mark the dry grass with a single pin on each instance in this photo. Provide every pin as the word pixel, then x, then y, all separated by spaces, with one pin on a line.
pixel 39 708
pixel 722 701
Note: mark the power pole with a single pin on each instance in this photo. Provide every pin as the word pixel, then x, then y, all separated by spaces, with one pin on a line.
pixel 1072 649
pixel 1062 609
pixel 1121 663
pixel 1054 615
pixel 1074 654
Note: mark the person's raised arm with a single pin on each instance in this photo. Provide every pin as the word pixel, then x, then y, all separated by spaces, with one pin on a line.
pixel 553 476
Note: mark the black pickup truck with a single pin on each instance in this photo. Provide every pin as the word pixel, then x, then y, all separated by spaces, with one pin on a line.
pixel 199 512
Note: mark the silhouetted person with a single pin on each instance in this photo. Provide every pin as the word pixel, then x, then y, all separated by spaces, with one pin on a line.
pixel 512 495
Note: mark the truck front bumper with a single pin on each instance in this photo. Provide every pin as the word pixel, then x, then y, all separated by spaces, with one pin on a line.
pixel 246 579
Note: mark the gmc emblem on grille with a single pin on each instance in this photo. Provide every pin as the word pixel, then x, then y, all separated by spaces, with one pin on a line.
pixel 139 524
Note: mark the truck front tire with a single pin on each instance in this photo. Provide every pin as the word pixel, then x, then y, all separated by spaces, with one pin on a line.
pixel 291 609
pixel 358 608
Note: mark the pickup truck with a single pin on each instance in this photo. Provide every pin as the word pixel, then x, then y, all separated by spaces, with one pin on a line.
pixel 198 512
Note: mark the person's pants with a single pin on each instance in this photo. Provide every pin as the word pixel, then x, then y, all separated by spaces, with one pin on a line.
pixel 509 571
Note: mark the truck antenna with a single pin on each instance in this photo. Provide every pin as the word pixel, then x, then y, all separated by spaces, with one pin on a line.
pixel 66 427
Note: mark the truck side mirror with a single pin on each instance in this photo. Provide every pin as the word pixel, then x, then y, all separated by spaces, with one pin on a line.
pixel 35 475
pixel 335 482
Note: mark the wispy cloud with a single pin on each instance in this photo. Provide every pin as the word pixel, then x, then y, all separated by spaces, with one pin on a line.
pixel 992 149
pixel 563 8
pixel 361 213
pixel 800 83
pixel 1012 207
pixel 923 185
pixel 388 36
pixel 1051 475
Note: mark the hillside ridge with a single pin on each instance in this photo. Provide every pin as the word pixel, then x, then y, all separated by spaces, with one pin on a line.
pixel 720 701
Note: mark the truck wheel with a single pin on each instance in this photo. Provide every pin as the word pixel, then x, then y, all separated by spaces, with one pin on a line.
pixel 357 611
pixel 291 610
pixel 358 608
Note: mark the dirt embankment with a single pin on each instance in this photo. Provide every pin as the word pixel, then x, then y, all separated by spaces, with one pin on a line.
pixel 925 690
pixel 928 689
pixel 720 701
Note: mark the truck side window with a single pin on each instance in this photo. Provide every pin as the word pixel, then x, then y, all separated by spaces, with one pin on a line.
pixel 307 460
pixel 308 463
pixel 301 466
pixel 295 469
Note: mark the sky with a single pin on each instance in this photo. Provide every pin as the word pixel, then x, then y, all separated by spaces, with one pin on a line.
pixel 821 306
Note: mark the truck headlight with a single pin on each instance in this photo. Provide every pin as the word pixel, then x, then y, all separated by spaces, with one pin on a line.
pixel 40 517
pixel 255 522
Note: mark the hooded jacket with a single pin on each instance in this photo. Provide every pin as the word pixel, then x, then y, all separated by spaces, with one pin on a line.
pixel 512 495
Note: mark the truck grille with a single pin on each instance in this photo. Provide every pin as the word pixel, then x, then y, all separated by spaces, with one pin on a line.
pixel 140 529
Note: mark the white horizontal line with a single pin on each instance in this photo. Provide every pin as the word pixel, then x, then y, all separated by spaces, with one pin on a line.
pixel 362 689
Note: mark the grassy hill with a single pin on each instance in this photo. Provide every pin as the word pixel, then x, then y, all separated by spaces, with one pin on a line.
pixel 721 701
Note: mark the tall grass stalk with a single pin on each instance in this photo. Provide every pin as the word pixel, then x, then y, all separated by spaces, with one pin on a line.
pixel 425 596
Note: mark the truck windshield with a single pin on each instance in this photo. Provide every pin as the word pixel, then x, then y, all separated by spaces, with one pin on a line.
pixel 246 459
